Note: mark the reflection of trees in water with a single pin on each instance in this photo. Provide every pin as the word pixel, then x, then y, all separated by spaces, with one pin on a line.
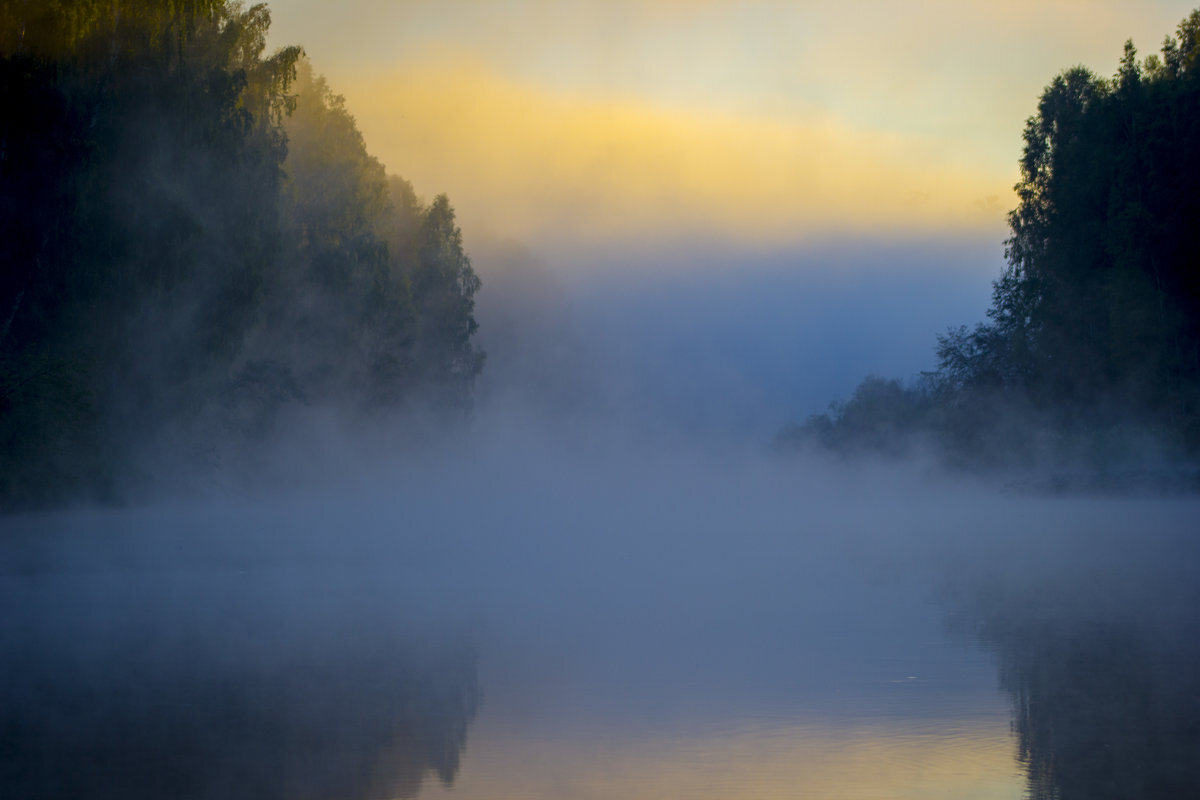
pixel 242 692
pixel 1103 713
pixel 1102 662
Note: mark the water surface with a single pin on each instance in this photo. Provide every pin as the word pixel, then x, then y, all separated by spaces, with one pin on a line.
pixel 672 628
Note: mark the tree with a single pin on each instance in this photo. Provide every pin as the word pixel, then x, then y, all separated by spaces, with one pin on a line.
pixel 1093 335
pixel 194 237
pixel 379 288
pixel 1097 316
pixel 444 286
pixel 140 169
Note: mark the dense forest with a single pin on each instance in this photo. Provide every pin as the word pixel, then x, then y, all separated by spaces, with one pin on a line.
pixel 195 243
pixel 1090 355
pixel 196 249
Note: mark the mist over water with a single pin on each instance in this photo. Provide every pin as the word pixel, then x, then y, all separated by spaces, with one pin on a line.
pixel 605 584
pixel 570 608
pixel 272 530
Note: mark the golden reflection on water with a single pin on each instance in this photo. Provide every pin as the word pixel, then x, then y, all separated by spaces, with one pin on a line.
pixel 881 760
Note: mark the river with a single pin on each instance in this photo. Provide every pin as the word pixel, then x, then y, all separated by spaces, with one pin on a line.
pixel 673 628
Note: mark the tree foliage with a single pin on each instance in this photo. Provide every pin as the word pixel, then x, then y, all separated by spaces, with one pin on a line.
pixel 193 237
pixel 1094 326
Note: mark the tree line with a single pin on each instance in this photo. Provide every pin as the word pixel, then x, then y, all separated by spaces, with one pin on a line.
pixel 193 240
pixel 1091 346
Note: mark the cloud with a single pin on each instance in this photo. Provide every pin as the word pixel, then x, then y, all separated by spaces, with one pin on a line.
pixel 754 120
pixel 535 162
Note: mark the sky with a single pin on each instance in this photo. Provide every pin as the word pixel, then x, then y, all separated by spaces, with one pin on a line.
pixel 800 146
pixel 758 120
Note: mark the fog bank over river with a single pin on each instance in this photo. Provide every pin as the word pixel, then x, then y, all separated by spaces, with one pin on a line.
pixel 589 614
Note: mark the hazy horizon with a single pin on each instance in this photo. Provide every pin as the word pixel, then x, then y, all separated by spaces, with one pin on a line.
pixel 275 527
pixel 856 162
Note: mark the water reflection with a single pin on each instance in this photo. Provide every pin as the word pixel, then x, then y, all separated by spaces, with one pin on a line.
pixel 721 660
pixel 186 679
pixel 746 758
pixel 702 639
pixel 1097 637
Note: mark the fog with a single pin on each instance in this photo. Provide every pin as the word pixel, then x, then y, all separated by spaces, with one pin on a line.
pixel 308 492
pixel 570 580
pixel 606 562
pixel 716 339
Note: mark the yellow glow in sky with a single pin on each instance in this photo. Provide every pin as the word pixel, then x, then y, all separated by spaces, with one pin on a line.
pixel 760 121
pixel 540 163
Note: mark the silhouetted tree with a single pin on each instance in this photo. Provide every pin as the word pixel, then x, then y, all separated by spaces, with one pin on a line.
pixel 140 164
pixel 1098 314
pixel 444 286
pixel 194 236
pixel 1093 336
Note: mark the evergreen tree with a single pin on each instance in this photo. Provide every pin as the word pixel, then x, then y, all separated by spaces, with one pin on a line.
pixel 1093 334
pixel 193 237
